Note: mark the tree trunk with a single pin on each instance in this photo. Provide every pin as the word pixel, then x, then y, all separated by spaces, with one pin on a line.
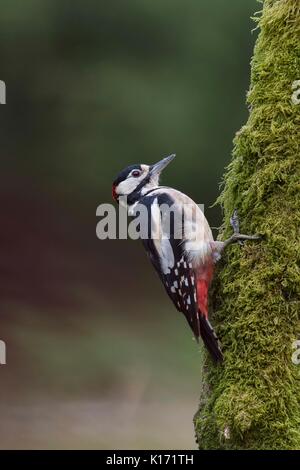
pixel 252 400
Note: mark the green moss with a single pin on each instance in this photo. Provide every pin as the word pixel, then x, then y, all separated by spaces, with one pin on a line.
pixel 253 400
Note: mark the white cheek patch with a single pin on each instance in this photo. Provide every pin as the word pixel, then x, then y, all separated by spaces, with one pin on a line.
pixel 129 185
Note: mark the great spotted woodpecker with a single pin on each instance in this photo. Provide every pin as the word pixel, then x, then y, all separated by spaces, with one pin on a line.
pixel 183 253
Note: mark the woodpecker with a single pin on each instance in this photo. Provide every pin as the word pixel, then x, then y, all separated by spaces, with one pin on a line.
pixel 183 253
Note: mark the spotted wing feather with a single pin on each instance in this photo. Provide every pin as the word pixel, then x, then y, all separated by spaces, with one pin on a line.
pixel 180 285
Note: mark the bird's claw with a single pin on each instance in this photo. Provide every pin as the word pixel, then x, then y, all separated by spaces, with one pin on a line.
pixel 235 224
pixel 237 237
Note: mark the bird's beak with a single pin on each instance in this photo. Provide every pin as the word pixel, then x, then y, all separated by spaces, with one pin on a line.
pixel 157 168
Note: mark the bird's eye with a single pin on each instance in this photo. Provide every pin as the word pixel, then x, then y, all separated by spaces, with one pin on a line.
pixel 136 173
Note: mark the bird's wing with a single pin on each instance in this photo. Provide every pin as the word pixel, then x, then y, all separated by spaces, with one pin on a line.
pixel 180 285
pixel 170 260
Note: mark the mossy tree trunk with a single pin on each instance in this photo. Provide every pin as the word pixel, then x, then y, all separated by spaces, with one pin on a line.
pixel 252 401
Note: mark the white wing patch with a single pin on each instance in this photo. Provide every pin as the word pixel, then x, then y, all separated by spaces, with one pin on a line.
pixel 161 243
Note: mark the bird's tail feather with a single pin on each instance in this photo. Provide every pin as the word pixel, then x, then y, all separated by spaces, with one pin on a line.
pixel 210 339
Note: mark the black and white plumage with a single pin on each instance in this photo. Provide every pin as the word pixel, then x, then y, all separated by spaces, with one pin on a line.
pixel 184 260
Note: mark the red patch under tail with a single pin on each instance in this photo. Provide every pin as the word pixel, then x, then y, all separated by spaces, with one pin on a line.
pixel 202 294
pixel 204 278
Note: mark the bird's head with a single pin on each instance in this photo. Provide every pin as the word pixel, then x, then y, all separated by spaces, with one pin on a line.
pixel 136 180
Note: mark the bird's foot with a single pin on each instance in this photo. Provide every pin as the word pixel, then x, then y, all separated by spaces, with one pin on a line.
pixel 234 222
pixel 218 247
pixel 237 237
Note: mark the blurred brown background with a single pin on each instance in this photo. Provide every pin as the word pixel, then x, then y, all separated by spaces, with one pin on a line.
pixel 97 356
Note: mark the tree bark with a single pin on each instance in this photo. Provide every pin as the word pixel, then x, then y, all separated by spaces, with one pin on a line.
pixel 252 400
